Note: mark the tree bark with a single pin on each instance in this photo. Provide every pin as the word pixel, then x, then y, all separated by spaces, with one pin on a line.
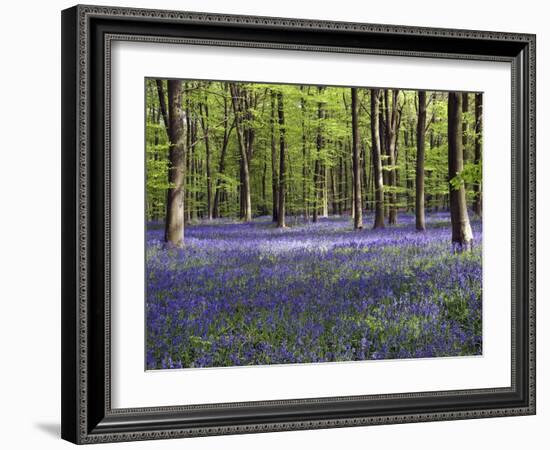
pixel 420 148
pixel 461 231
pixel 324 182
pixel 274 174
pixel 304 158
pixel 333 191
pixel 357 176
pixel 247 212
pixel 206 131
pixel 391 126
pixel 465 109
pixel 340 181
pixel 174 223
pixel 221 168
pixel 377 159
pixel 317 170
pixel 478 150
pixel 282 156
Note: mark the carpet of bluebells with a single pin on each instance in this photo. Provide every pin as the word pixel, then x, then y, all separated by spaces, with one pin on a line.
pixel 241 294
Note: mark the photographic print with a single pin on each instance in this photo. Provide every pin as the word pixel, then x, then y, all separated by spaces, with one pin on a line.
pixel 310 224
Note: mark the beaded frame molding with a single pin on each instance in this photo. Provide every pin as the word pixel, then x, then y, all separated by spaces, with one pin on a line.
pixel 87 34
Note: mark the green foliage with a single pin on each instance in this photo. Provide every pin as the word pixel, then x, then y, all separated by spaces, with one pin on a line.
pixel 302 127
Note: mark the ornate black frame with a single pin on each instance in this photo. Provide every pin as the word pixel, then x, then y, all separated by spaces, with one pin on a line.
pixel 87 416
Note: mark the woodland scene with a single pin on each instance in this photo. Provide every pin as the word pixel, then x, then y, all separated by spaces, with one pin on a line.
pixel 309 224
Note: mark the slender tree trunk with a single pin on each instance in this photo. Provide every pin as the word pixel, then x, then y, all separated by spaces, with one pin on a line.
pixel 461 231
pixel 420 148
pixel 304 156
pixel 391 138
pixel 465 109
pixel 188 158
pixel 317 171
pixel 478 149
pixel 194 169
pixel 370 186
pixel 333 191
pixel 358 215
pixel 347 149
pixel 340 181
pixel 365 167
pixel 274 174
pixel 377 159
pixel 407 178
pixel 247 213
pixel 324 170
pixel 465 149
pixel 174 225
pixel 282 156
pixel 221 168
pixel 206 131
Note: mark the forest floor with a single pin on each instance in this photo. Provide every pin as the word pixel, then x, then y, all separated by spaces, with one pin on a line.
pixel 241 294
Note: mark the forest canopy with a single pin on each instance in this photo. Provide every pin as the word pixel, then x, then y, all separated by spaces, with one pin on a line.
pixel 243 150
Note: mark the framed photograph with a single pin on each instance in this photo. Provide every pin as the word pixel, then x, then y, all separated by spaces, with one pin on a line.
pixel 279 224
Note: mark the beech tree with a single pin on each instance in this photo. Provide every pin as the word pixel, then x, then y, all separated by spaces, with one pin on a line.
pixel 204 120
pixel 174 122
pixel 477 150
pixel 245 169
pixel 282 166
pixel 377 159
pixel 317 184
pixel 420 147
pixel 357 195
pixel 462 236
pixel 391 126
pixel 274 169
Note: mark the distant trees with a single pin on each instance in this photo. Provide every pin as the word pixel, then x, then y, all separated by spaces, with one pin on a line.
pixel 228 149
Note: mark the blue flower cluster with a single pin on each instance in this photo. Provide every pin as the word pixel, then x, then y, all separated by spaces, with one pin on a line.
pixel 241 294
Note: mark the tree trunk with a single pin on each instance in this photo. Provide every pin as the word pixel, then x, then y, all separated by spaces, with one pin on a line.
pixel 340 181
pixel 461 231
pixel 282 156
pixel 274 175
pixel 365 167
pixel 174 225
pixel 392 117
pixel 324 182
pixel 465 109
pixel 358 213
pixel 188 157
pixel 221 167
pixel 304 159
pixel 478 149
pixel 333 191
pixel 317 170
pixel 194 169
pixel 247 213
pixel 420 148
pixel 205 130
pixel 377 159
